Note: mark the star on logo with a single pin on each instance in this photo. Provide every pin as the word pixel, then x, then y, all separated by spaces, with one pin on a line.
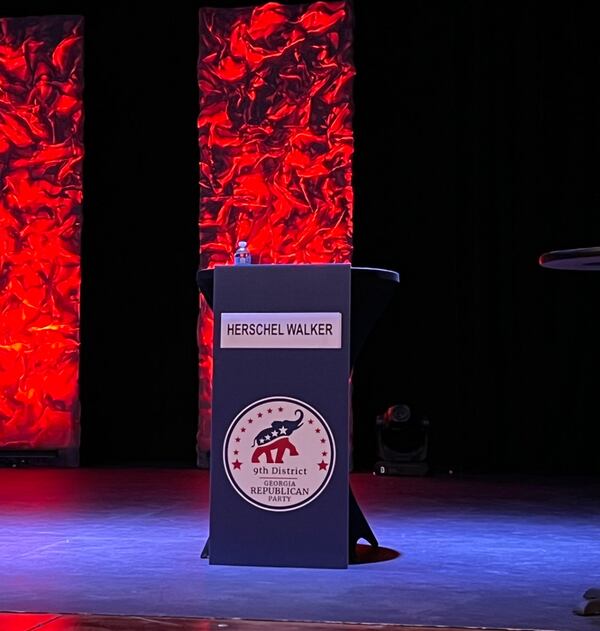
pixel 237 464
pixel 250 421
pixel 260 415
pixel 280 409
pixel 323 453
pixel 318 430
pixel 322 466
pixel 242 429
pixel 237 439
pixel 269 410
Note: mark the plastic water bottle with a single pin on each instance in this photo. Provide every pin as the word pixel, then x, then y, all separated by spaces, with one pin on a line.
pixel 242 254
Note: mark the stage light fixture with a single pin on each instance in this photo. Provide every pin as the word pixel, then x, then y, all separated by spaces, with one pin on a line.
pixel 402 442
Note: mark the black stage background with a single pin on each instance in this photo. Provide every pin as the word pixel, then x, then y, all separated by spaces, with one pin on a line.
pixel 476 131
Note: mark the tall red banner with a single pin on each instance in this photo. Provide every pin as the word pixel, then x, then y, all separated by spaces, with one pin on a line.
pixel 276 142
pixel 41 149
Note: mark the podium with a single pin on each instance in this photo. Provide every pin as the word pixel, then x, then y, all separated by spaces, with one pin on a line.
pixel 285 338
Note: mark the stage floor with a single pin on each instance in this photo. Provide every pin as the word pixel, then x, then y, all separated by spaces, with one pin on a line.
pixel 481 552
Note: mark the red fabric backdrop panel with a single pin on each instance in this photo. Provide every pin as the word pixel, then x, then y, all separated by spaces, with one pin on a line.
pixel 276 142
pixel 41 148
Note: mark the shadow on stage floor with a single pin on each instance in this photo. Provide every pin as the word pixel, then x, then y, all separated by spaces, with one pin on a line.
pixel 458 552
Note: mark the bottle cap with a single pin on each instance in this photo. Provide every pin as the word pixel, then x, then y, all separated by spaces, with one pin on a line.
pixel 242 244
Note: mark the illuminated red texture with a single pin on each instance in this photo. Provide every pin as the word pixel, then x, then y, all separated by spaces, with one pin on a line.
pixel 41 150
pixel 276 142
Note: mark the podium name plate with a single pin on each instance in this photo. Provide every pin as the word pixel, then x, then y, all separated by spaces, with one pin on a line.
pixel 281 330
pixel 279 464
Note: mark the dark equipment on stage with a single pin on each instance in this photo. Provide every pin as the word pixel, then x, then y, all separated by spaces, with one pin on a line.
pixel 402 442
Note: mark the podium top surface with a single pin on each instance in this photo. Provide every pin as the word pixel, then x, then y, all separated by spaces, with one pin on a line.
pixel 580 259
pixel 205 277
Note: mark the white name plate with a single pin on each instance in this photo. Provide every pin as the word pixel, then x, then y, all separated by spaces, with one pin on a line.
pixel 281 330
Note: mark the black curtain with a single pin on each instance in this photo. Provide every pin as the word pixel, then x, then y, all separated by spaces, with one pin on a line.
pixel 477 150
pixel 476 127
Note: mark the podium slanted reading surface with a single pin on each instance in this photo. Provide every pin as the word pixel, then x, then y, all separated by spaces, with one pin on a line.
pixel 283 349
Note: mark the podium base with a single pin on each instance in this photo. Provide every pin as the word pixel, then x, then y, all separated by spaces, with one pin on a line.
pixel 205 551
pixel 358 528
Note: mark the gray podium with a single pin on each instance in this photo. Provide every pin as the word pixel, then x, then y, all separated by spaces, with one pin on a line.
pixel 285 338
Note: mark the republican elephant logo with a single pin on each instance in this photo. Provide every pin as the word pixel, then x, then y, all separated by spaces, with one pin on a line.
pixel 279 453
pixel 276 439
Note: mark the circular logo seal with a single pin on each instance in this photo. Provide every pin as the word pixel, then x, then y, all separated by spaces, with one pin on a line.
pixel 279 454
